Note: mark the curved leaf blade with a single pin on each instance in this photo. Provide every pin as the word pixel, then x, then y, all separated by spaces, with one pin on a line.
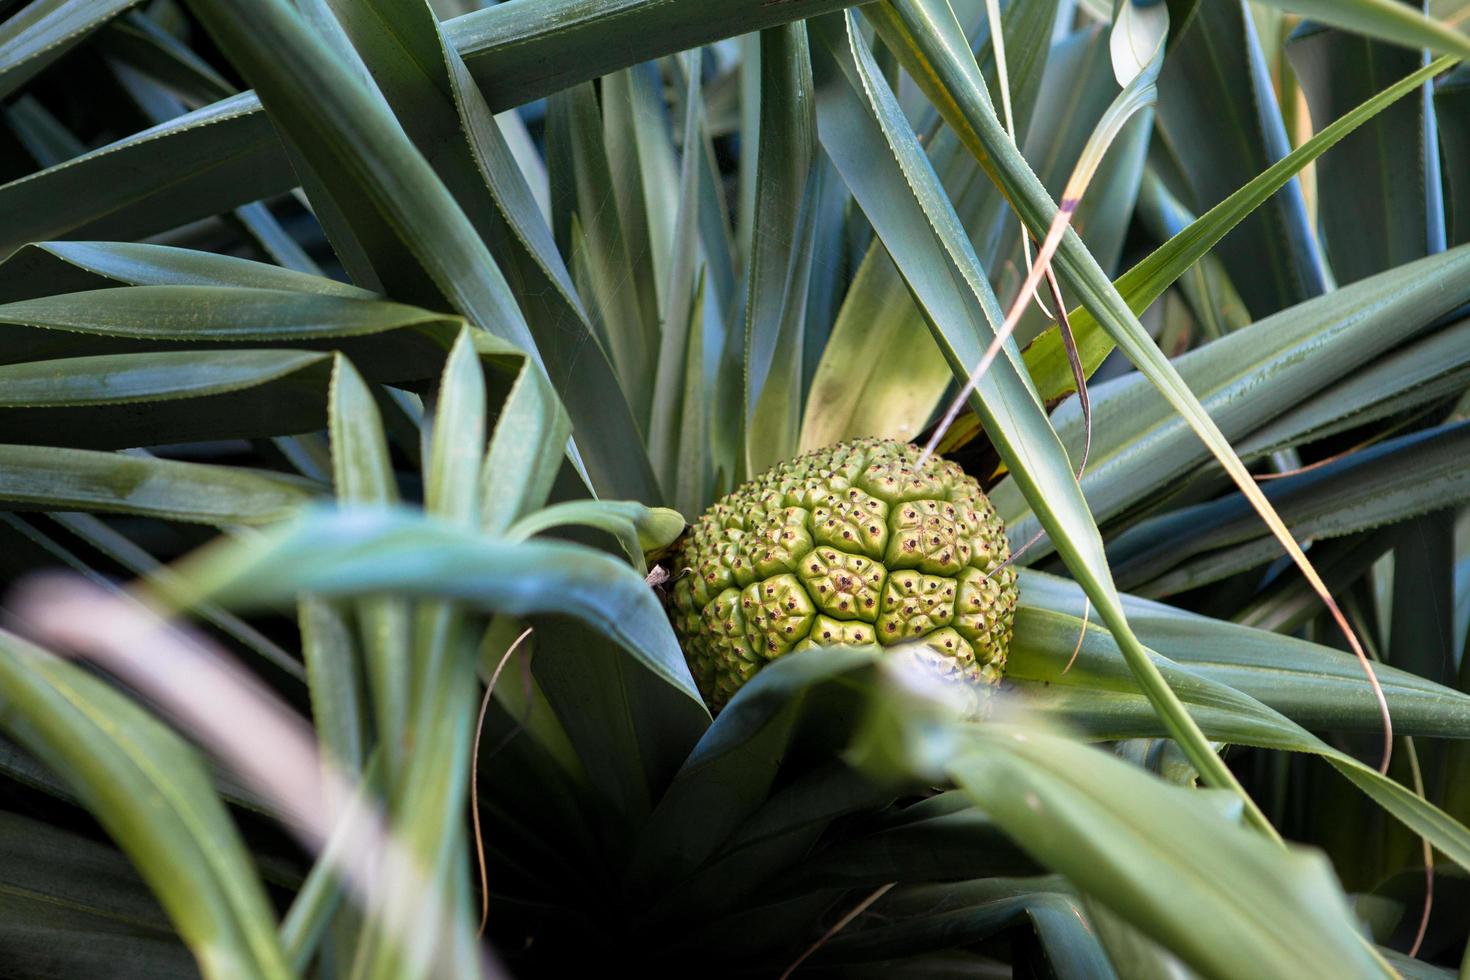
pixel 154 797
pixel 910 211
pixel 1130 841
pixel 49 478
pixel 1046 358
pixel 46 30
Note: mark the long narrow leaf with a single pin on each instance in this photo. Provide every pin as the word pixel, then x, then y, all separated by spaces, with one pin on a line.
pixel 48 478
pixel 44 31
pixel 1046 358
pixel 912 213
pixel 1129 840
pixel 152 793
pixel 780 261
pixel 364 477
pixel 1384 19
pixel 919 30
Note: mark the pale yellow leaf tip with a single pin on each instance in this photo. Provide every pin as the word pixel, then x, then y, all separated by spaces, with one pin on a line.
pixel 1137 37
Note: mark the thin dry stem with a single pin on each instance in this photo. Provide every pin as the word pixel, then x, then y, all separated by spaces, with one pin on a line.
pixel 842 923
pixel 1026 243
pixel 1043 265
pixel 1084 402
pixel 1081 635
pixel 1002 74
pixel 475 779
pixel 1377 438
pixel 1309 571
pixel 1079 374
pixel 1418 777
pixel 1232 465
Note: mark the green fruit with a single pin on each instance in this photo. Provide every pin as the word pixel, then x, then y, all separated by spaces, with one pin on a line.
pixel 854 544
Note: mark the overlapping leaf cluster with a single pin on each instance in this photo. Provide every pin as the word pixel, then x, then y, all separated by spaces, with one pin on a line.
pixel 429 313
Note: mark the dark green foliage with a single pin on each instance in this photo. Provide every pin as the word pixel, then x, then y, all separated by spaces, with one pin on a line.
pixel 377 335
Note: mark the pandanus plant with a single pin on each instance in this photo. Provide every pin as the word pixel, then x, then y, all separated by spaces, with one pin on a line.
pixel 497 455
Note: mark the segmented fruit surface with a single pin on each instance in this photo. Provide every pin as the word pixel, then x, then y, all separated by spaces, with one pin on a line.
pixel 854 544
